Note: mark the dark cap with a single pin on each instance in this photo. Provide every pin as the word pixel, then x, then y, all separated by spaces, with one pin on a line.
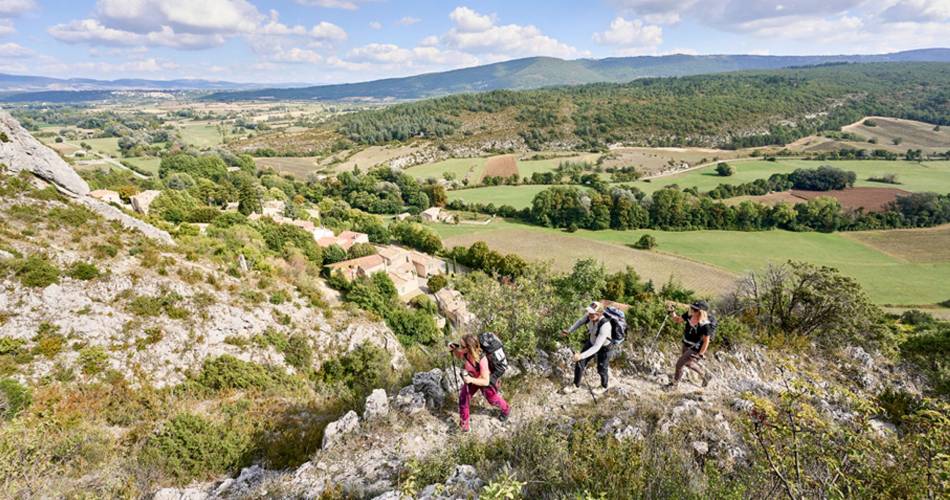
pixel 700 305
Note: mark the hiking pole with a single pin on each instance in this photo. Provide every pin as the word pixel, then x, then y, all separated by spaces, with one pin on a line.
pixel 657 337
pixel 589 389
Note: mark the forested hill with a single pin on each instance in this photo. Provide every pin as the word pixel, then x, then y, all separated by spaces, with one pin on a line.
pixel 536 72
pixel 735 109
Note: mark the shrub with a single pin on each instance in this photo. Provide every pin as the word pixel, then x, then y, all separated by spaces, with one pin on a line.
pixel 70 215
pixel 228 372
pixel 48 340
pixel 93 360
pixel 299 352
pixel 413 326
pixel 870 123
pixel 10 346
pixel 189 447
pixel 724 169
pixel 14 398
pixel 37 271
pixel 422 302
pixel 436 283
pixel 361 369
pixel 82 271
pixel 360 250
pixel 646 242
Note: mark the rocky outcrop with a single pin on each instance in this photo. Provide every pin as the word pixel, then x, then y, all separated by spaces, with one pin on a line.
pixel 336 431
pixel 376 406
pixel 109 212
pixel 20 151
pixel 430 385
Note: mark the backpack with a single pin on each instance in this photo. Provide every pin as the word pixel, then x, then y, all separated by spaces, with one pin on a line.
pixel 495 351
pixel 618 324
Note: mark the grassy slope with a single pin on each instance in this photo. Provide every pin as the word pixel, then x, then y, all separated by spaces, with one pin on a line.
pixel 887 279
pixel 516 196
pixel 926 176
pixel 147 164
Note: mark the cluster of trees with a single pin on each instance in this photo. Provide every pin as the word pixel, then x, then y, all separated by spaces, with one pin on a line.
pixel 384 191
pixel 823 178
pixel 481 258
pixel 671 209
pixel 415 235
pixel 703 110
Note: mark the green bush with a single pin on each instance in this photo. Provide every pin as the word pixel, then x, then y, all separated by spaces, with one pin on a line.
pixel 93 360
pixel 70 215
pixel 361 369
pixel 189 447
pixel 228 372
pixel 48 340
pixel 166 302
pixel 14 398
pixel 724 169
pixel 437 282
pixel 299 352
pixel 646 242
pixel 10 346
pixel 82 271
pixel 37 271
pixel 413 326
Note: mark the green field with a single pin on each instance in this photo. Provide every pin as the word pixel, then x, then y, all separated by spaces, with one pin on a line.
pixel 473 167
pixel 460 167
pixel 925 176
pixel 201 135
pixel 516 196
pixel 146 164
pixel 108 145
pixel 887 279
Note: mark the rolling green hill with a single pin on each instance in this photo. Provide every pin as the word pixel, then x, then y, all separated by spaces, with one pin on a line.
pixel 536 72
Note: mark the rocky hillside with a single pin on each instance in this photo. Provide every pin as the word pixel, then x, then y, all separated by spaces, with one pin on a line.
pixel 138 359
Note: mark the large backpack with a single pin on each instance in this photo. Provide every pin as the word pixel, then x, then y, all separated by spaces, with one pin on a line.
pixel 618 324
pixel 495 352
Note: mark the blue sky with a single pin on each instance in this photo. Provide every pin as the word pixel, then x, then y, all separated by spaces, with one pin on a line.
pixel 331 41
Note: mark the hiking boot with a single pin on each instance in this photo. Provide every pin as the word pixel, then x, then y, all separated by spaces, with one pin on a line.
pixel 464 427
pixel 706 378
pixel 568 389
pixel 599 391
pixel 670 387
pixel 504 417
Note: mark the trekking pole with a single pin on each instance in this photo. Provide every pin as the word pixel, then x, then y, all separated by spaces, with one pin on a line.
pixel 589 389
pixel 657 337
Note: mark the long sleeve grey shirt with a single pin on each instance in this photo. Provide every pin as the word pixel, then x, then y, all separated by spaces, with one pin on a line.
pixel 598 337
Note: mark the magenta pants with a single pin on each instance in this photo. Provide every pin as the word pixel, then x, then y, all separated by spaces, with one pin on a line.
pixel 491 394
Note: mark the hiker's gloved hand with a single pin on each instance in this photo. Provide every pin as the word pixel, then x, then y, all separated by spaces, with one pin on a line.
pixel 577 357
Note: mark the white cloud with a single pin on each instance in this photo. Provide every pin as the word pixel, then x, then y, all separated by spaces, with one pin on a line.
pixel 12 8
pixel 477 33
pixel 15 51
pixel 6 27
pixel 333 4
pixel 297 55
pixel 183 16
pixel 922 11
pixel 91 31
pixel 468 21
pixel 376 25
pixel 408 21
pixel 630 35
pixel 328 32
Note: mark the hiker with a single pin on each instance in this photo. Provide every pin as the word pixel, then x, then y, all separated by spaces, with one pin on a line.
pixel 598 343
pixel 698 328
pixel 476 377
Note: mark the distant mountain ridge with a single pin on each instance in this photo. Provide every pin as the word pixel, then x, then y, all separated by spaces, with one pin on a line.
pixel 535 72
pixel 29 83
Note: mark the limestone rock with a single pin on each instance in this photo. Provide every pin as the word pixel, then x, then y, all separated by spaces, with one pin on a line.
pixel 390 495
pixel 4 255
pixel 21 151
pixel 881 428
pixel 429 384
pixel 109 212
pixel 180 494
pixel 409 401
pixel 377 405
pixel 335 432
pixel 700 447
pixel 239 486
pixel 464 483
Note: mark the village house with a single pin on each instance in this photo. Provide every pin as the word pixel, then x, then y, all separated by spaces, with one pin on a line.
pixel 403 216
pixel 436 214
pixel 363 266
pixel 272 208
pixel 143 200
pixel 453 307
pixel 107 196
pixel 408 269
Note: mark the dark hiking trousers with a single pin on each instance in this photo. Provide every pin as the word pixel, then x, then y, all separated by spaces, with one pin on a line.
pixel 686 360
pixel 603 358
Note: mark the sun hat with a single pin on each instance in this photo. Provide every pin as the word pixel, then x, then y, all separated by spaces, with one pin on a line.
pixel 594 308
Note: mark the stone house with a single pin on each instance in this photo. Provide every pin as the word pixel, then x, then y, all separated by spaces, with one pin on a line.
pixel 453 307
pixel 363 266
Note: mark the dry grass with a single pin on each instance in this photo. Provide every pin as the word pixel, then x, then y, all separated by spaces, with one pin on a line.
pixel 564 250
pixel 652 161
pixel 297 166
pixel 501 166
pixel 929 245
pixel 770 199
pixel 914 134
pixel 366 158
pixel 870 199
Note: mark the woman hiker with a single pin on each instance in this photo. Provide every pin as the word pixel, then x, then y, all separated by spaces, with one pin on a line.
pixel 476 378
pixel 698 327
pixel 597 344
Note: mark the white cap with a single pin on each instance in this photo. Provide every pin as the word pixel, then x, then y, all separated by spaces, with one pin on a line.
pixel 594 308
